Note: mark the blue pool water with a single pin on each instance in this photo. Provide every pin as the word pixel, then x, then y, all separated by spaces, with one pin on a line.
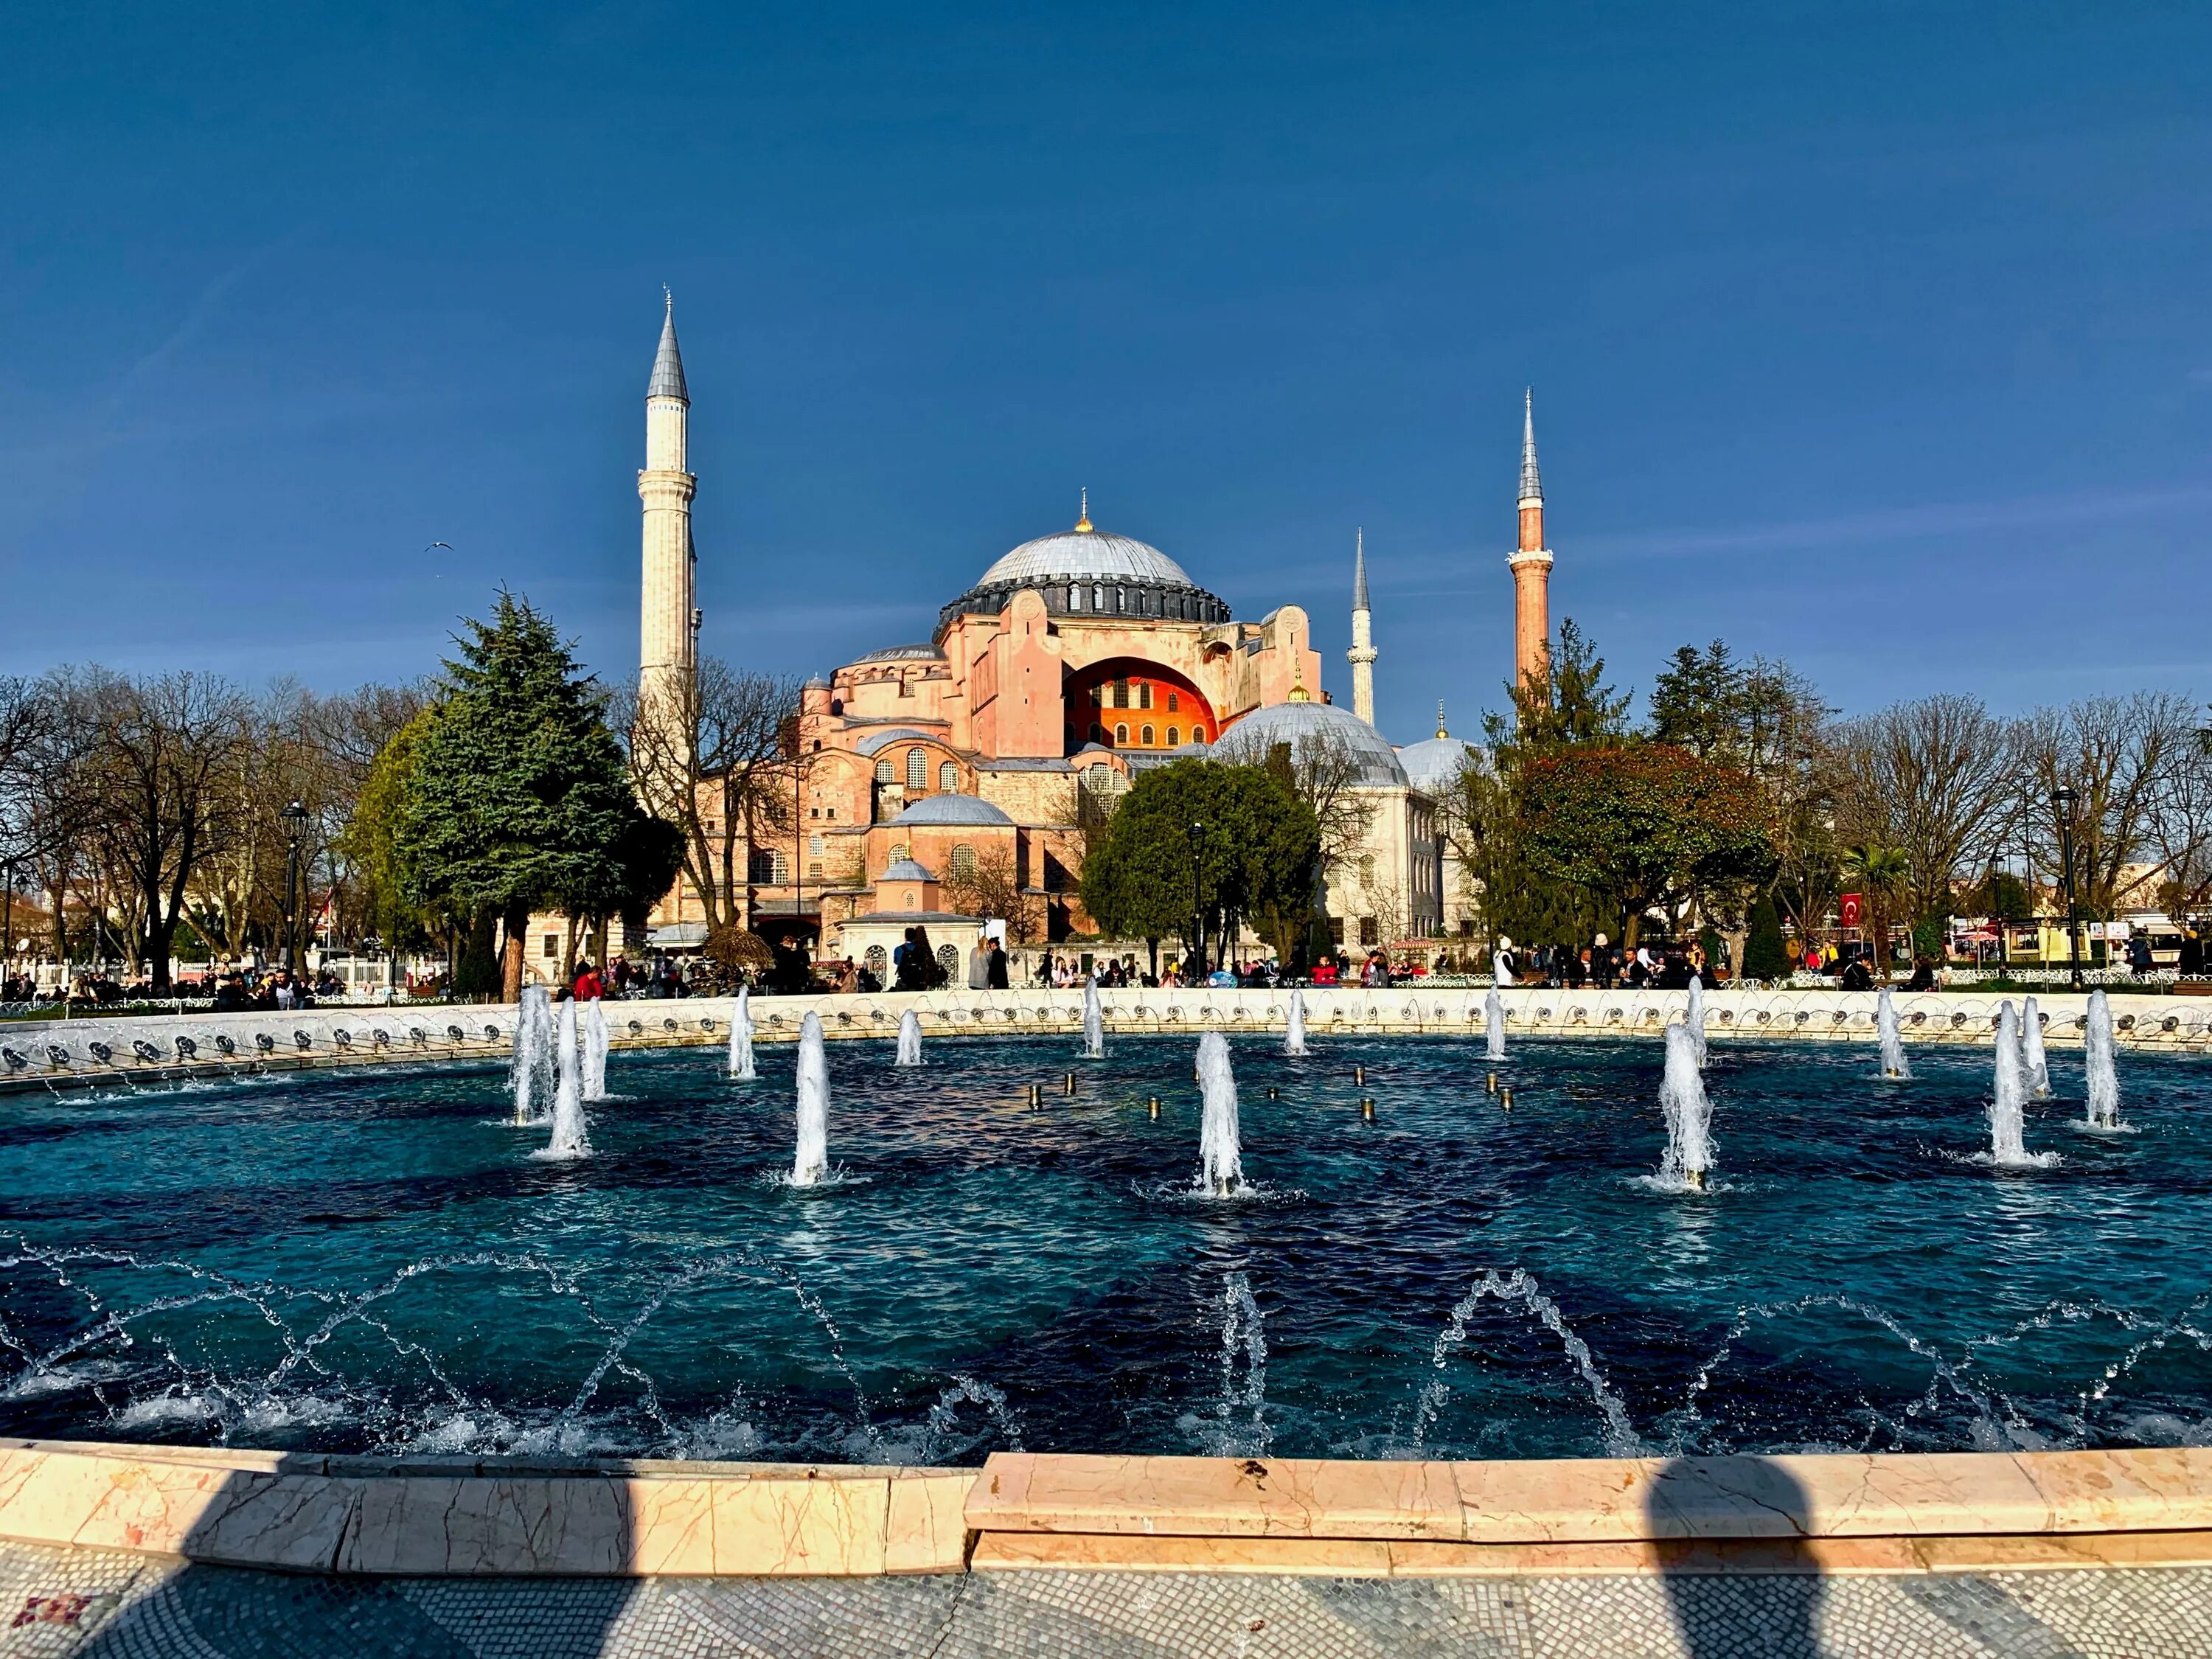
pixel 371 1260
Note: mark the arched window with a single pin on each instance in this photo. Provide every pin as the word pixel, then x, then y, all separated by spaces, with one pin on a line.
pixel 1075 599
pixel 876 960
pixel 1174 702
pixel 1098 596
pixel 917 768
pixel 1144 694
pixel 898 852
pixel 1120 734
pixel 963 860
pixel 1367 870
pixel 884 773
pixel 1175 737
pixel 1147 736
pixel 948 777
pixel 948 959
pixel 1121 694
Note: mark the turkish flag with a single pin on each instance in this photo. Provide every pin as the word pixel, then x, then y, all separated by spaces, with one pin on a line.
pixel 1850 910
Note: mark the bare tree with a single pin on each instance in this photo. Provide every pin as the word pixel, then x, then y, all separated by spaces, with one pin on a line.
pixel 2119 756
pixel 2178 829
pixel 728 736
pixel 1928 778
pixel 1324 771
pixel 989 887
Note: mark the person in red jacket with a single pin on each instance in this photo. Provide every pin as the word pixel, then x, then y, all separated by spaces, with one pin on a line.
pixel 587 983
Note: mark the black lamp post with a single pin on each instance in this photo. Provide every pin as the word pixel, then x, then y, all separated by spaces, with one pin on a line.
pixel 2062 800
pixel 296 817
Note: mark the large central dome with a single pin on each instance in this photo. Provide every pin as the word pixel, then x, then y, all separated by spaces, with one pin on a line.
pixel 1086 553
pixel 1089 573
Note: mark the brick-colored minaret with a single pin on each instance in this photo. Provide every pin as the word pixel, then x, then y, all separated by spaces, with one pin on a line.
pixel 1531 565
pixel 668 636
pixel 1363 654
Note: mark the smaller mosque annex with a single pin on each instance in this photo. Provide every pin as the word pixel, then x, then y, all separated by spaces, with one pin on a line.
pixel 930 775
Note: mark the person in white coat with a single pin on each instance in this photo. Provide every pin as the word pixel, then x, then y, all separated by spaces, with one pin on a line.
pixel 1501 962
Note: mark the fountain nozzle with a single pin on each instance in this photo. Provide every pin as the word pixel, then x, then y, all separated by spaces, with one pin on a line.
pixel 1036 1096
pixel 1274 1094
pixel 1068 1087
pixel 1153 1107
pixel 1505 1100
pixel 1490 1084
pixel 1694 1180
pixel 1367 1111
pixel 1359 1074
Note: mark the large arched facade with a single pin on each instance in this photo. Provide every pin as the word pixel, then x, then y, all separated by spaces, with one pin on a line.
pixel 1127 702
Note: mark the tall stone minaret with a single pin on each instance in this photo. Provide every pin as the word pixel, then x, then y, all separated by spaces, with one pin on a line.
pixel 1531 565
pixel 1362 654
pixel 668 642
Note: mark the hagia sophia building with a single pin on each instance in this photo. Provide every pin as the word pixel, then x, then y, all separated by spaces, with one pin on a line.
pixel 1069 665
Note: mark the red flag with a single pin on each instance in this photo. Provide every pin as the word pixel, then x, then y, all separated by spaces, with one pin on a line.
pixel 1850 910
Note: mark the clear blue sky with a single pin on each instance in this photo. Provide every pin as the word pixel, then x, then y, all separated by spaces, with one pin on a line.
pixel 1876 337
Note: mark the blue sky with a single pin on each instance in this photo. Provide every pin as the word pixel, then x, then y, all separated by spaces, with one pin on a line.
pixel 1874 338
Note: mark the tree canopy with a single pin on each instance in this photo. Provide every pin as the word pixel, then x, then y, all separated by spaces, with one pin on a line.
pixel 519 797
pixel 1255 853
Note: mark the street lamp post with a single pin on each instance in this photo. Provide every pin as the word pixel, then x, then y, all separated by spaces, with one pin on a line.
pixel 1197 909
pixel 295 815
pixel 2062 800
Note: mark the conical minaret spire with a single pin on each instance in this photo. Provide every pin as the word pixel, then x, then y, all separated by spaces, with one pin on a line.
pixel 1531 565
pixel 1362 654
pixel 668 639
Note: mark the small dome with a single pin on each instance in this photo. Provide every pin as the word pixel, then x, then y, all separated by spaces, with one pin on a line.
pixel 1086 553
pixel 1433 764
pixel 906 869
pixel 815 683
pixel 1251 738
pixel 953 808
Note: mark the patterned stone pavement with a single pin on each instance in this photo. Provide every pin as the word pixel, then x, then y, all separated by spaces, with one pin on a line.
pixel 82 1604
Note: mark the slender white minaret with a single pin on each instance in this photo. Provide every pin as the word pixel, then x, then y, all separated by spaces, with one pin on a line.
pixel 1362 654
pixel 1531 565
pixel 668 639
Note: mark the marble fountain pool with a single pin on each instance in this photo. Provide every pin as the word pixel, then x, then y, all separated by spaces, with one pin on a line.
pixel 380 1259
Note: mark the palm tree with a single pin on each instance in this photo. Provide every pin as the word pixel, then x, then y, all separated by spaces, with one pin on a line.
pixel 1882 872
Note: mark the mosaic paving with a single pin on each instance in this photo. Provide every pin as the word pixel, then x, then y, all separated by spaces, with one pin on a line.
pixel 82 1604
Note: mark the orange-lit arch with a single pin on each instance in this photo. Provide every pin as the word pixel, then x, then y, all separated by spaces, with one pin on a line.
pixel 1101 696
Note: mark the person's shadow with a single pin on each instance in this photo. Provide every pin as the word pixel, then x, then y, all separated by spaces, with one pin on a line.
pixel 1759 1593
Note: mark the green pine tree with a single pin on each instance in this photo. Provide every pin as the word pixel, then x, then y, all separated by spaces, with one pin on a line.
pixel 1763 956
pixel 518 797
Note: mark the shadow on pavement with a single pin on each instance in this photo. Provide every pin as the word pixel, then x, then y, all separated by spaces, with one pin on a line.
pixel 1771 1604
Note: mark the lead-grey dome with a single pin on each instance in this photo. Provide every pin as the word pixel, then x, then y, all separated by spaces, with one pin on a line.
pixel 1434 764
pixel 1294 723
pixel 1086 573
pixel 1089 553
pixel 953 808
pixel 906 869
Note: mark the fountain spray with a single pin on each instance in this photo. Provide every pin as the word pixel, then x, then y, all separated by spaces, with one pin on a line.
pixel 1689 1116
pixel 532 1071
pixel 2030 1051
pixel 2097 1054
pixel 569 1139
pixel 1294 1033
pixel 1694 1015
pixel 1221 1167
pixel 909 1041
pixel 811 1160
pixel 741 1037
pixel 595 1050
pixel 1094 1023
pixel 1493 1022
pixel 1893 1063
pixel 2007 1122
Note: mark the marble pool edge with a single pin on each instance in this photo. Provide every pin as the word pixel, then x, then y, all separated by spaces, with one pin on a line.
pixel 55 1054
pixel 1873 1513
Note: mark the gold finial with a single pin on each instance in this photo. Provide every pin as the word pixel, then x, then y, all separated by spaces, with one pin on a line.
pixel 1082 523
pixel 1440 718
pixel 1299 693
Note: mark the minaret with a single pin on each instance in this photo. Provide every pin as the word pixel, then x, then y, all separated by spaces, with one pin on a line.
pixel 1362 654
pixel 1531 565
pixel 668 639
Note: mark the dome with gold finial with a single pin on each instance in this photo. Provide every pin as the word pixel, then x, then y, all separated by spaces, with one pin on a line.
pixel 1089 572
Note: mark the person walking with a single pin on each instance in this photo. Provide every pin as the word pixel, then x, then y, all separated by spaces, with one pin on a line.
pixel 979 963
pixel 995 978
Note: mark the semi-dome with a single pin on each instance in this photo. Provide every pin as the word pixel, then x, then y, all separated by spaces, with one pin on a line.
pixel 902 654
pixel 1434 763
pixel 953 808
pixel 1087 572
pixel 1294 723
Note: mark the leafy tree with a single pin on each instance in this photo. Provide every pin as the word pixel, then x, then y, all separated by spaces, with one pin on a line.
pixel 1884 875
pixel 372 846
pixel 518 797
pixel 1763 956
pixel 1641 827
pixel 1195 847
